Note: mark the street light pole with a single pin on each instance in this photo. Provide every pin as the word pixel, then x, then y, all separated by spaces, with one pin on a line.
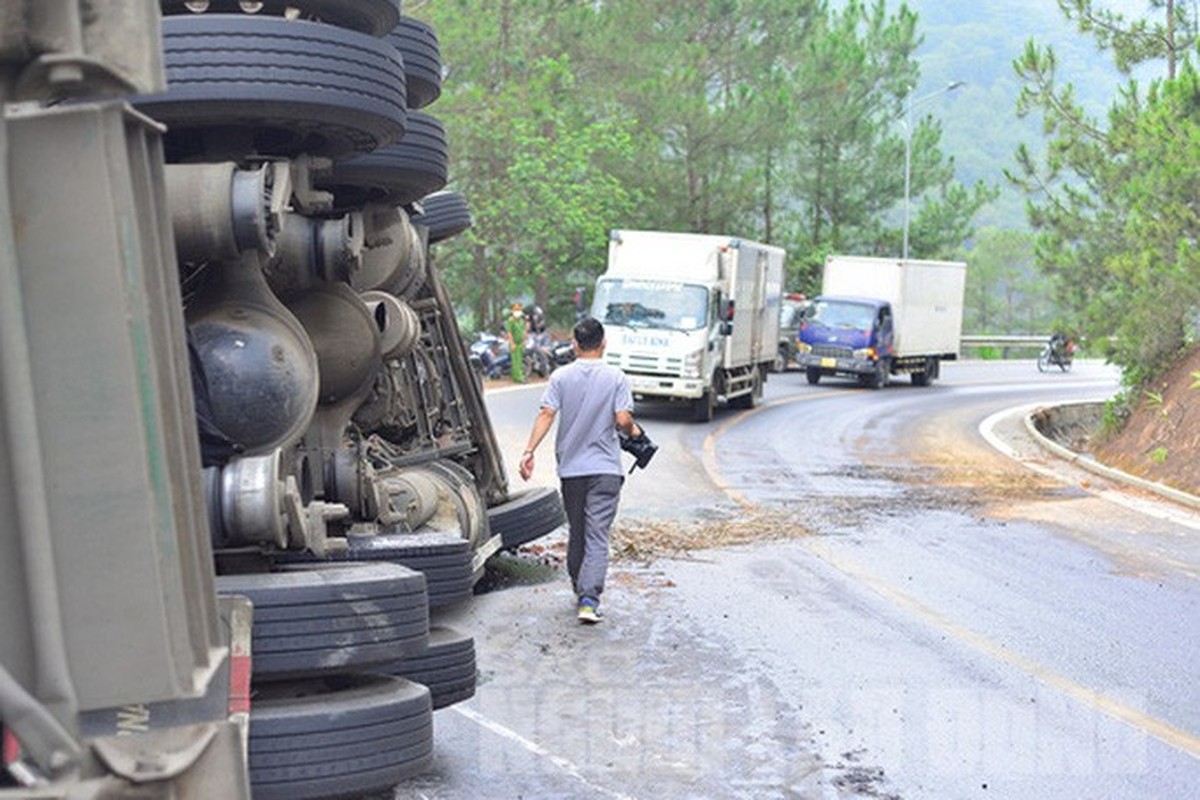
pixel 908 134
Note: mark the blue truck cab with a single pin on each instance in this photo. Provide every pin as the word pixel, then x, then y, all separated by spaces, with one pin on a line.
pixel 878 317
pixel 846 336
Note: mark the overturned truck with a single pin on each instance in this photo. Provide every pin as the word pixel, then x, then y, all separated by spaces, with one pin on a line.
pixel 244 463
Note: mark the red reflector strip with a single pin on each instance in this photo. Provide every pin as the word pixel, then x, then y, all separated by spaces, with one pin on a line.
pixel 239 684
pixel 10 748
pixel 240 621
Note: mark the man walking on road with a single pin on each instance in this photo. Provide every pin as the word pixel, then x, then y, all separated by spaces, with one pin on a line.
pixel 593 401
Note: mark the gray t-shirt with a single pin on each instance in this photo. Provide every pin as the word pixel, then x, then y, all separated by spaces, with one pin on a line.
pixel 586 395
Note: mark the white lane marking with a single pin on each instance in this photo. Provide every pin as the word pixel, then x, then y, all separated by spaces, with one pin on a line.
pixel 536 749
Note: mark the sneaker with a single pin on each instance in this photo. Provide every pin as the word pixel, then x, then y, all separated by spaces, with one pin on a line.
pixel 588 612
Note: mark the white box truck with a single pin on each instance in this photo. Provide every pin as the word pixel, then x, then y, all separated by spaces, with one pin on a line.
pixel 691 318
pixel 877 317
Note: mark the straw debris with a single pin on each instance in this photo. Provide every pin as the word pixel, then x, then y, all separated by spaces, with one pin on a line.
pixel 646 540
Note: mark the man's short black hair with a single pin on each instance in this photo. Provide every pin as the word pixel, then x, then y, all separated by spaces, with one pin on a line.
pixel 589 333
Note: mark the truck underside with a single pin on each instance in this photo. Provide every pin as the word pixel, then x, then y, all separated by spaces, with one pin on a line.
pixel 244 462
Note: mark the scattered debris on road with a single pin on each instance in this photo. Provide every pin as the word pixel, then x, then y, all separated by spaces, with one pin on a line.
pixel 647 540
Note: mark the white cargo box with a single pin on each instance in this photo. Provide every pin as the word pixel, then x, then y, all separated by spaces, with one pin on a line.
pixel 926 298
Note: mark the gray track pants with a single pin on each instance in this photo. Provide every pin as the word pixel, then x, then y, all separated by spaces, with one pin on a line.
pixel 591 505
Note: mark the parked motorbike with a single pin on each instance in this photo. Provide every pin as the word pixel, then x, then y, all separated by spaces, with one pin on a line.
pixel 543 354
pixel 1058 352
pixel 489 354
pixel 539 354
pixel 564 353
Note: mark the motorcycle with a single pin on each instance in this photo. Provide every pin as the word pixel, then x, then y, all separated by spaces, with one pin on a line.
pixel 539 354
pixel 1058 352
pixel 543 354
pixel 489 355
pixel 564 353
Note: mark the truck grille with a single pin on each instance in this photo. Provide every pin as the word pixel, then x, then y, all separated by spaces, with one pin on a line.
pixel 832 351
pixel 646 365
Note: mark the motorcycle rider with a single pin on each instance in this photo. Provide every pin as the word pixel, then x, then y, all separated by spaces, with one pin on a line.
pixel 1062 348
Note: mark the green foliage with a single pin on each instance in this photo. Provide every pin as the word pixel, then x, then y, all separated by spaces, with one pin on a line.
pixel 1159 455
pixel 1005 294
pixel 989 353
pixel 778 120
pixel 1114 202
pixel 528 155
pixel 1135 41
pixel 1116 412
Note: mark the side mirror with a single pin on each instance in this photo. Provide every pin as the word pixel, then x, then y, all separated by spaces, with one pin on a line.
pixel 727 311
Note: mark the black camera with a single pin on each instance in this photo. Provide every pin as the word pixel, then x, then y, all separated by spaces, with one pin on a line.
pixel 641 447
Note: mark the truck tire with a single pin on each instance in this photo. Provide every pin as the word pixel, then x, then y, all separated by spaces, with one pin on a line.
pixel 527 516
pixel 395 174
pixel 284 88
pixel 446 214
pixel 879 378
pixel 813 374
pixel 448 667
pixel 782 357
pixel 372 17
pixel 927 375
pixel 704 406
pixel 418 44
pixel 313 619
pixel 338 737
pixel 444 558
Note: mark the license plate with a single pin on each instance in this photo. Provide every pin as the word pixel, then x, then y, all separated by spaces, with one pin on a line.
pixel 829 363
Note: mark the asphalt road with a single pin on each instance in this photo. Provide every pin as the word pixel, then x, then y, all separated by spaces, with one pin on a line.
pixel 953 615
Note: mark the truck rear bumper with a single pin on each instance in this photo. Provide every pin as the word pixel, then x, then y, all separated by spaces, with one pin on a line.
pixel 666 386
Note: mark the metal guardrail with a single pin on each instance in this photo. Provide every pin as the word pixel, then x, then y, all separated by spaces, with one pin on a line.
pixel 1002 340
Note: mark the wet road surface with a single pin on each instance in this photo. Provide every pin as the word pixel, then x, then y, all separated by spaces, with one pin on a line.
pixel 950 620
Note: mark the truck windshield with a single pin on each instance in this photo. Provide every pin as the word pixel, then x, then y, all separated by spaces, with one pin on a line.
pixel 651 304
pixel 842 314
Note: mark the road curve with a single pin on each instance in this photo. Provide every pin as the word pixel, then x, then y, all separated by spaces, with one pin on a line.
pixel 978 626
pixel 953 621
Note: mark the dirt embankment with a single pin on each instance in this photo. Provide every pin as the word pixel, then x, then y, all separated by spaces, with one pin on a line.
pixel 1161 440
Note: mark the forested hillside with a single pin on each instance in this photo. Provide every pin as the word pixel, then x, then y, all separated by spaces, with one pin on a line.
pixel 777 120
pixel 790 121
pixel 977 43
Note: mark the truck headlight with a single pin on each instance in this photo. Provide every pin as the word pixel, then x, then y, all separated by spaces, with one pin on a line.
pixel 803 348
pixel 692 363
pixel 867 353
